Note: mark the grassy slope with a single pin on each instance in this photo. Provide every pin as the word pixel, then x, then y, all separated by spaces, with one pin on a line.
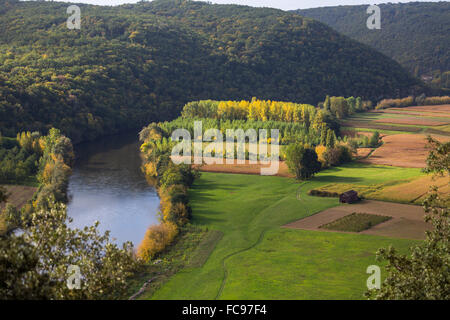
pixel 265 261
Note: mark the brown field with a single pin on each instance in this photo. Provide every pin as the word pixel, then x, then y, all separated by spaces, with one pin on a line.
pixel 445 108
pixel 416 190
pixel 413 121
pixel 402 150
pixel 412 113
pixel 246 168
pixel 363 153
pixel 18 195
pixel 407 191
pixel 407 220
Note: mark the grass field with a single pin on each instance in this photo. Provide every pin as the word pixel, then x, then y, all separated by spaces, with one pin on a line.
pixel 257 259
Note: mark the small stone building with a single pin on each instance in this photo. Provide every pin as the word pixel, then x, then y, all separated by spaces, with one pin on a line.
pixel 349 197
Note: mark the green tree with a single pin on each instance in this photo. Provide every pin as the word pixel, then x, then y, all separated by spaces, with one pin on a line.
pixel 302 162
pixel 375 140
pixel 35 262
pixel 326 104
pixel 438 160
pixel 3 195
pixel 423 274
pixel 331 139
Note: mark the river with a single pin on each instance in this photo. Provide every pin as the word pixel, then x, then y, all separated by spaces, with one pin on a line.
pixel 107 185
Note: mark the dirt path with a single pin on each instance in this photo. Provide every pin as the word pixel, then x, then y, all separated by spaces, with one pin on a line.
pixel 407 220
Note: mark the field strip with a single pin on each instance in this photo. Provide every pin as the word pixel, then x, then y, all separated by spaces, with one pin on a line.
pixel 261 237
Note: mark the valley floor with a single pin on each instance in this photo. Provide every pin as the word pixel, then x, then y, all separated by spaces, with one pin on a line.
pixel 258 259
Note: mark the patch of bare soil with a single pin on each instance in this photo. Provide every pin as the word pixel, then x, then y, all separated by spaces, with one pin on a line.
pixel 407 220
pixel 402 150
pixel 362 153
pixel 18 195
pixel 444 108
pixel 245 168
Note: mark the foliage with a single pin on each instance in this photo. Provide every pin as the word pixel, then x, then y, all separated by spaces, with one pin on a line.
pixel 156 239
pixel 55 167
pixel 375 140
pixel 3 195
pixel 302 161
pixel 19 157
pixel 438 160
pixel 414 34
pixel 35 262
pixel 132 64
pixel 341 107
pixel 172 182
pixel 412 101
pixel 424 274
pixel 337 155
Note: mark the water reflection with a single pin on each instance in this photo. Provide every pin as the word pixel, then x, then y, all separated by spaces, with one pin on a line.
pixel 107 185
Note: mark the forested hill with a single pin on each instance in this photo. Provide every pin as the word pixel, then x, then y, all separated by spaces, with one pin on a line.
pixel 133 64
pixel 415 34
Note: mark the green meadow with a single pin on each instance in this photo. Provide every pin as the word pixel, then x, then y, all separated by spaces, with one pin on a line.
pixel 258 259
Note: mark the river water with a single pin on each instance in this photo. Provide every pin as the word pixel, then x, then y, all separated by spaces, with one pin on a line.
pixel 107 185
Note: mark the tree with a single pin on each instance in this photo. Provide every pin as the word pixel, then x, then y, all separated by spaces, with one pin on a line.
pixel 35 262
pixel 331 139
pixel 3 195
pixel 374 141
pixel 302 161
pixel 438 160
pixel 326 104
pixel 425 272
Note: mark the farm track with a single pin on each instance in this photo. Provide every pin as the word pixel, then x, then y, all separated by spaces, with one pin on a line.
pixel 225 275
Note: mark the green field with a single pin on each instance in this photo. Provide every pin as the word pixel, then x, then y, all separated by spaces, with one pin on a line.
pixel 257 259
pixel 355 222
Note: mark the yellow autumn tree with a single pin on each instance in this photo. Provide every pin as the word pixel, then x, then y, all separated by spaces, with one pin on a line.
pixel 320 150
pixel 156 239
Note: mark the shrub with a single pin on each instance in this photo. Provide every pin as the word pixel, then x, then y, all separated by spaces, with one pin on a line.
pixel 395 103
pixel 323 193
pixel 156 239
pixel 338 155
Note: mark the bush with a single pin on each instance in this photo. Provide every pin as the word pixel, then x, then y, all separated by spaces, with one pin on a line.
pixel 411 101
pixel 338 155
pixel 156 239
pixel 395 103
pixel 322 193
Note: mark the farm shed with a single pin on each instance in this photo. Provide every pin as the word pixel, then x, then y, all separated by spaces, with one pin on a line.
pixel 349 197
